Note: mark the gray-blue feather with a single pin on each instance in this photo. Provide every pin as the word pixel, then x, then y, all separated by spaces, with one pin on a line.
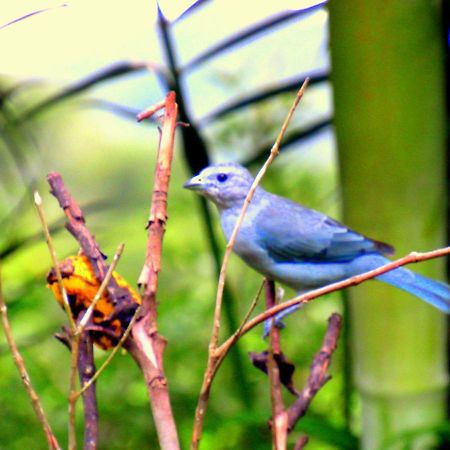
pixel 300 247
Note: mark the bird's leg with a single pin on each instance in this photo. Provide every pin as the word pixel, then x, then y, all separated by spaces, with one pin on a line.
pixel 273 298
pixel 278 319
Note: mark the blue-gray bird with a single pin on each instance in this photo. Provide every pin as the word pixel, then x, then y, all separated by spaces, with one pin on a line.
pixel 297 246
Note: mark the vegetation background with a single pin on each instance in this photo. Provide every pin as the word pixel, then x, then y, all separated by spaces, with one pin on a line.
pixel 87 133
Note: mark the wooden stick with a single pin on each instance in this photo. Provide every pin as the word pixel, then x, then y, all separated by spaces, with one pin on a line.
pixel 145 344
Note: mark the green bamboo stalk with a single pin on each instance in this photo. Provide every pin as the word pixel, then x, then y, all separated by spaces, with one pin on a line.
pixel 387 65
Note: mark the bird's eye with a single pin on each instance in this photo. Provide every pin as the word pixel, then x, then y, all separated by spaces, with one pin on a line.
pixel 222 177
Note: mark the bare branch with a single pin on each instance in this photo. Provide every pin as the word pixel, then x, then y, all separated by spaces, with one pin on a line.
pixel 318 375
pixel 145 344
pixel 20 364
pixel 301 442
pixel 51 249
pixel 214 359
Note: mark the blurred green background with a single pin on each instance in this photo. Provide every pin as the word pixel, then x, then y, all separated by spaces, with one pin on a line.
pixel 70 88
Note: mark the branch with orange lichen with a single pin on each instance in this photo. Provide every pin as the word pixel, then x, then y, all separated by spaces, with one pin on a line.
pixel 145 344
pixel 140 338
pixel 81 344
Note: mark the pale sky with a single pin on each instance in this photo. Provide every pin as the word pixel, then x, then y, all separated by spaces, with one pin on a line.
pixel 67 43
pixel 87 34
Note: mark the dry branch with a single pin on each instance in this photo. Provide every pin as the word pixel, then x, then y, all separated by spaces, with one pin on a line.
pixel 82 359
pixel 301 442
pixel 51 249
pixel 86 370
pixel 215 357
pixel 20 364
pixel 120 296
pixel 318 374
pixel 145 344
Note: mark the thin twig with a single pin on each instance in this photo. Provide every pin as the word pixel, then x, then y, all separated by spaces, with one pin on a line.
pixel 55 263
pixel 308 297
pixel 318 375
pixel 146 114
pixel 213 357
pixel 20 364
pixel 249 311
pixel 112 354
pixel 301 442
pixel 273 154
pixel 88 314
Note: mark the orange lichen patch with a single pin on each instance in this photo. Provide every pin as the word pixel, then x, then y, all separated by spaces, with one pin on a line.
pixel 81 286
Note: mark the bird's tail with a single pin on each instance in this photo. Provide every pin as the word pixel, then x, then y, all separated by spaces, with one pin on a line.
pixel 433 292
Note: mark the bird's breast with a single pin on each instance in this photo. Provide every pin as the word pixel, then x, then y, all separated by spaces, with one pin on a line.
pixel 247 245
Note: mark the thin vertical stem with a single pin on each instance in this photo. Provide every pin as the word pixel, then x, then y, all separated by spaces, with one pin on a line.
pixel 20 364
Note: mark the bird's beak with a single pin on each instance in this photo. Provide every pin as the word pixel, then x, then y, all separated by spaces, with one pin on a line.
pixel 194 184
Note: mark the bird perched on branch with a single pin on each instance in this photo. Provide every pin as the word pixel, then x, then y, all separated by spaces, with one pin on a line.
pixel 297 246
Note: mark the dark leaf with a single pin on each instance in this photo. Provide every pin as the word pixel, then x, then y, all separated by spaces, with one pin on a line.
pixel 250 32
pixel 292 85
pixel 115 108
pixel 196 5
pixel 195 152
pixel 104 74
pixel 293 137
pixel 285 367
pixel 55 227
pixel 26 16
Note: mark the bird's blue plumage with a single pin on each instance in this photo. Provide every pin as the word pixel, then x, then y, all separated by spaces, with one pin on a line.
pixel 300 247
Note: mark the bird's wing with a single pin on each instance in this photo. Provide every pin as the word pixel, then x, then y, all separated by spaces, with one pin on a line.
pixel 290 232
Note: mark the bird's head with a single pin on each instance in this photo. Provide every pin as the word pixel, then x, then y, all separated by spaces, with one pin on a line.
pixel 226 184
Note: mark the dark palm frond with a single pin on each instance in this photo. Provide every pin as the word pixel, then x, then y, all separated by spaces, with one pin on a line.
pixel 260 155
pixel 250 32
pixel 197 157
pixel 9 92
pixel 115 108
pixel 55 227
pixel 16 244
pixel 265 94
pixel 107 73
pixel 33 13
pixel 196 5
